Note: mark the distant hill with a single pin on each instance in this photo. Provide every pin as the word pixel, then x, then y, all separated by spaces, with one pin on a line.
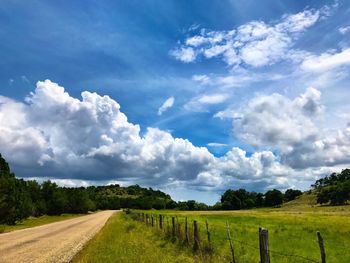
pixel 307 199
pixel 134 196
pixel 307 204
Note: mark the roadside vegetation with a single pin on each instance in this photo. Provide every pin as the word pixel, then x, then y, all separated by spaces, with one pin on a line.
pixel 36 221
pixel 124 240
pixel 292 235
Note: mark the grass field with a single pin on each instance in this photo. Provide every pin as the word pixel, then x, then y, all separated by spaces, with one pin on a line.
pixel 292 231
pixel 292 236
pixel 125 240
pixel 36 221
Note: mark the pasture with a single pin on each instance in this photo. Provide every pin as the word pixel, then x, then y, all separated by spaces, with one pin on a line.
pixel 292 235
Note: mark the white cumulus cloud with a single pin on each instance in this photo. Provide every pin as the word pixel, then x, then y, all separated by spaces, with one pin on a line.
pixel 276 120
pixel 292 126
pixel 79 141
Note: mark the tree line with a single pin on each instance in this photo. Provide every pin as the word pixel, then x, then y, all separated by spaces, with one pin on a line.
pixel 243 199
pixel 333 189
pixel 20 198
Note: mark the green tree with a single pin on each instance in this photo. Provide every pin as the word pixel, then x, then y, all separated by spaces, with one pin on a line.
pixel 55 198
pixel 15 202
pixel 78 201
pixel 334 189
pixel 259 200
pixel 291 194
pixel 230 201
pixel 273 198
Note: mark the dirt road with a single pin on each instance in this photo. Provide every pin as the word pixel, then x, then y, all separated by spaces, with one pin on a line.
pixel 56 242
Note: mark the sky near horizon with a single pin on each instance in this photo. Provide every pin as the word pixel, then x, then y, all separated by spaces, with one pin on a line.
pixel 190 97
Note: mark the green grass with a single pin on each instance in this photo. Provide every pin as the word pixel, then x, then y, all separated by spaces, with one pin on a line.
pixel 125 240
pixel 292 231
pixel 36 221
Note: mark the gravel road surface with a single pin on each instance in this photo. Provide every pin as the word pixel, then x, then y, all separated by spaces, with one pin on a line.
pixel 55 242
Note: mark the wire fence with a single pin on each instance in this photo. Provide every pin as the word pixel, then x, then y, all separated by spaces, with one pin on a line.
pixel 218 241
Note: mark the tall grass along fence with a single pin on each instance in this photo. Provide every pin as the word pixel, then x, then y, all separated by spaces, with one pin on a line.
pixel 200 238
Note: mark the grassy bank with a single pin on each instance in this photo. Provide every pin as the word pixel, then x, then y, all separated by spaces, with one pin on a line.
pixel 124 240
pixel 36 221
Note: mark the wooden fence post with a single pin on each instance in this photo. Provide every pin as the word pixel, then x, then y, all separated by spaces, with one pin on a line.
pixel 321 245
pixel 147 219
pixel 167 230
pixel 187 239
pixel 152 220
pixel 264 245
pixel 208 234
pixel 230 240
pixel 178 229
pixel 195 236
pixel 173 232
pixel 143 217
pixel 160 221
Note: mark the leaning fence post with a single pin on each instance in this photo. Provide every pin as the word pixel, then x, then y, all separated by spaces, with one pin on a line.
pixel 230 240
pixel 264 245
pixel 195 236
pixel 320 243
pixel 160 221
pixel 208 234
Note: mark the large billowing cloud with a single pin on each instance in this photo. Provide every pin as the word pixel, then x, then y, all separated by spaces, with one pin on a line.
pixel 275 120
pixel 54 135
pixel 91 139
pixel 19 140
pixel 293 127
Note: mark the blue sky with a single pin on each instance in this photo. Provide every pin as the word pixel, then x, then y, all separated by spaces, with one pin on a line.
pixel 269 78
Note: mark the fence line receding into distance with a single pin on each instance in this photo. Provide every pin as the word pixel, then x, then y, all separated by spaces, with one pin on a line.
pixel 188 234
